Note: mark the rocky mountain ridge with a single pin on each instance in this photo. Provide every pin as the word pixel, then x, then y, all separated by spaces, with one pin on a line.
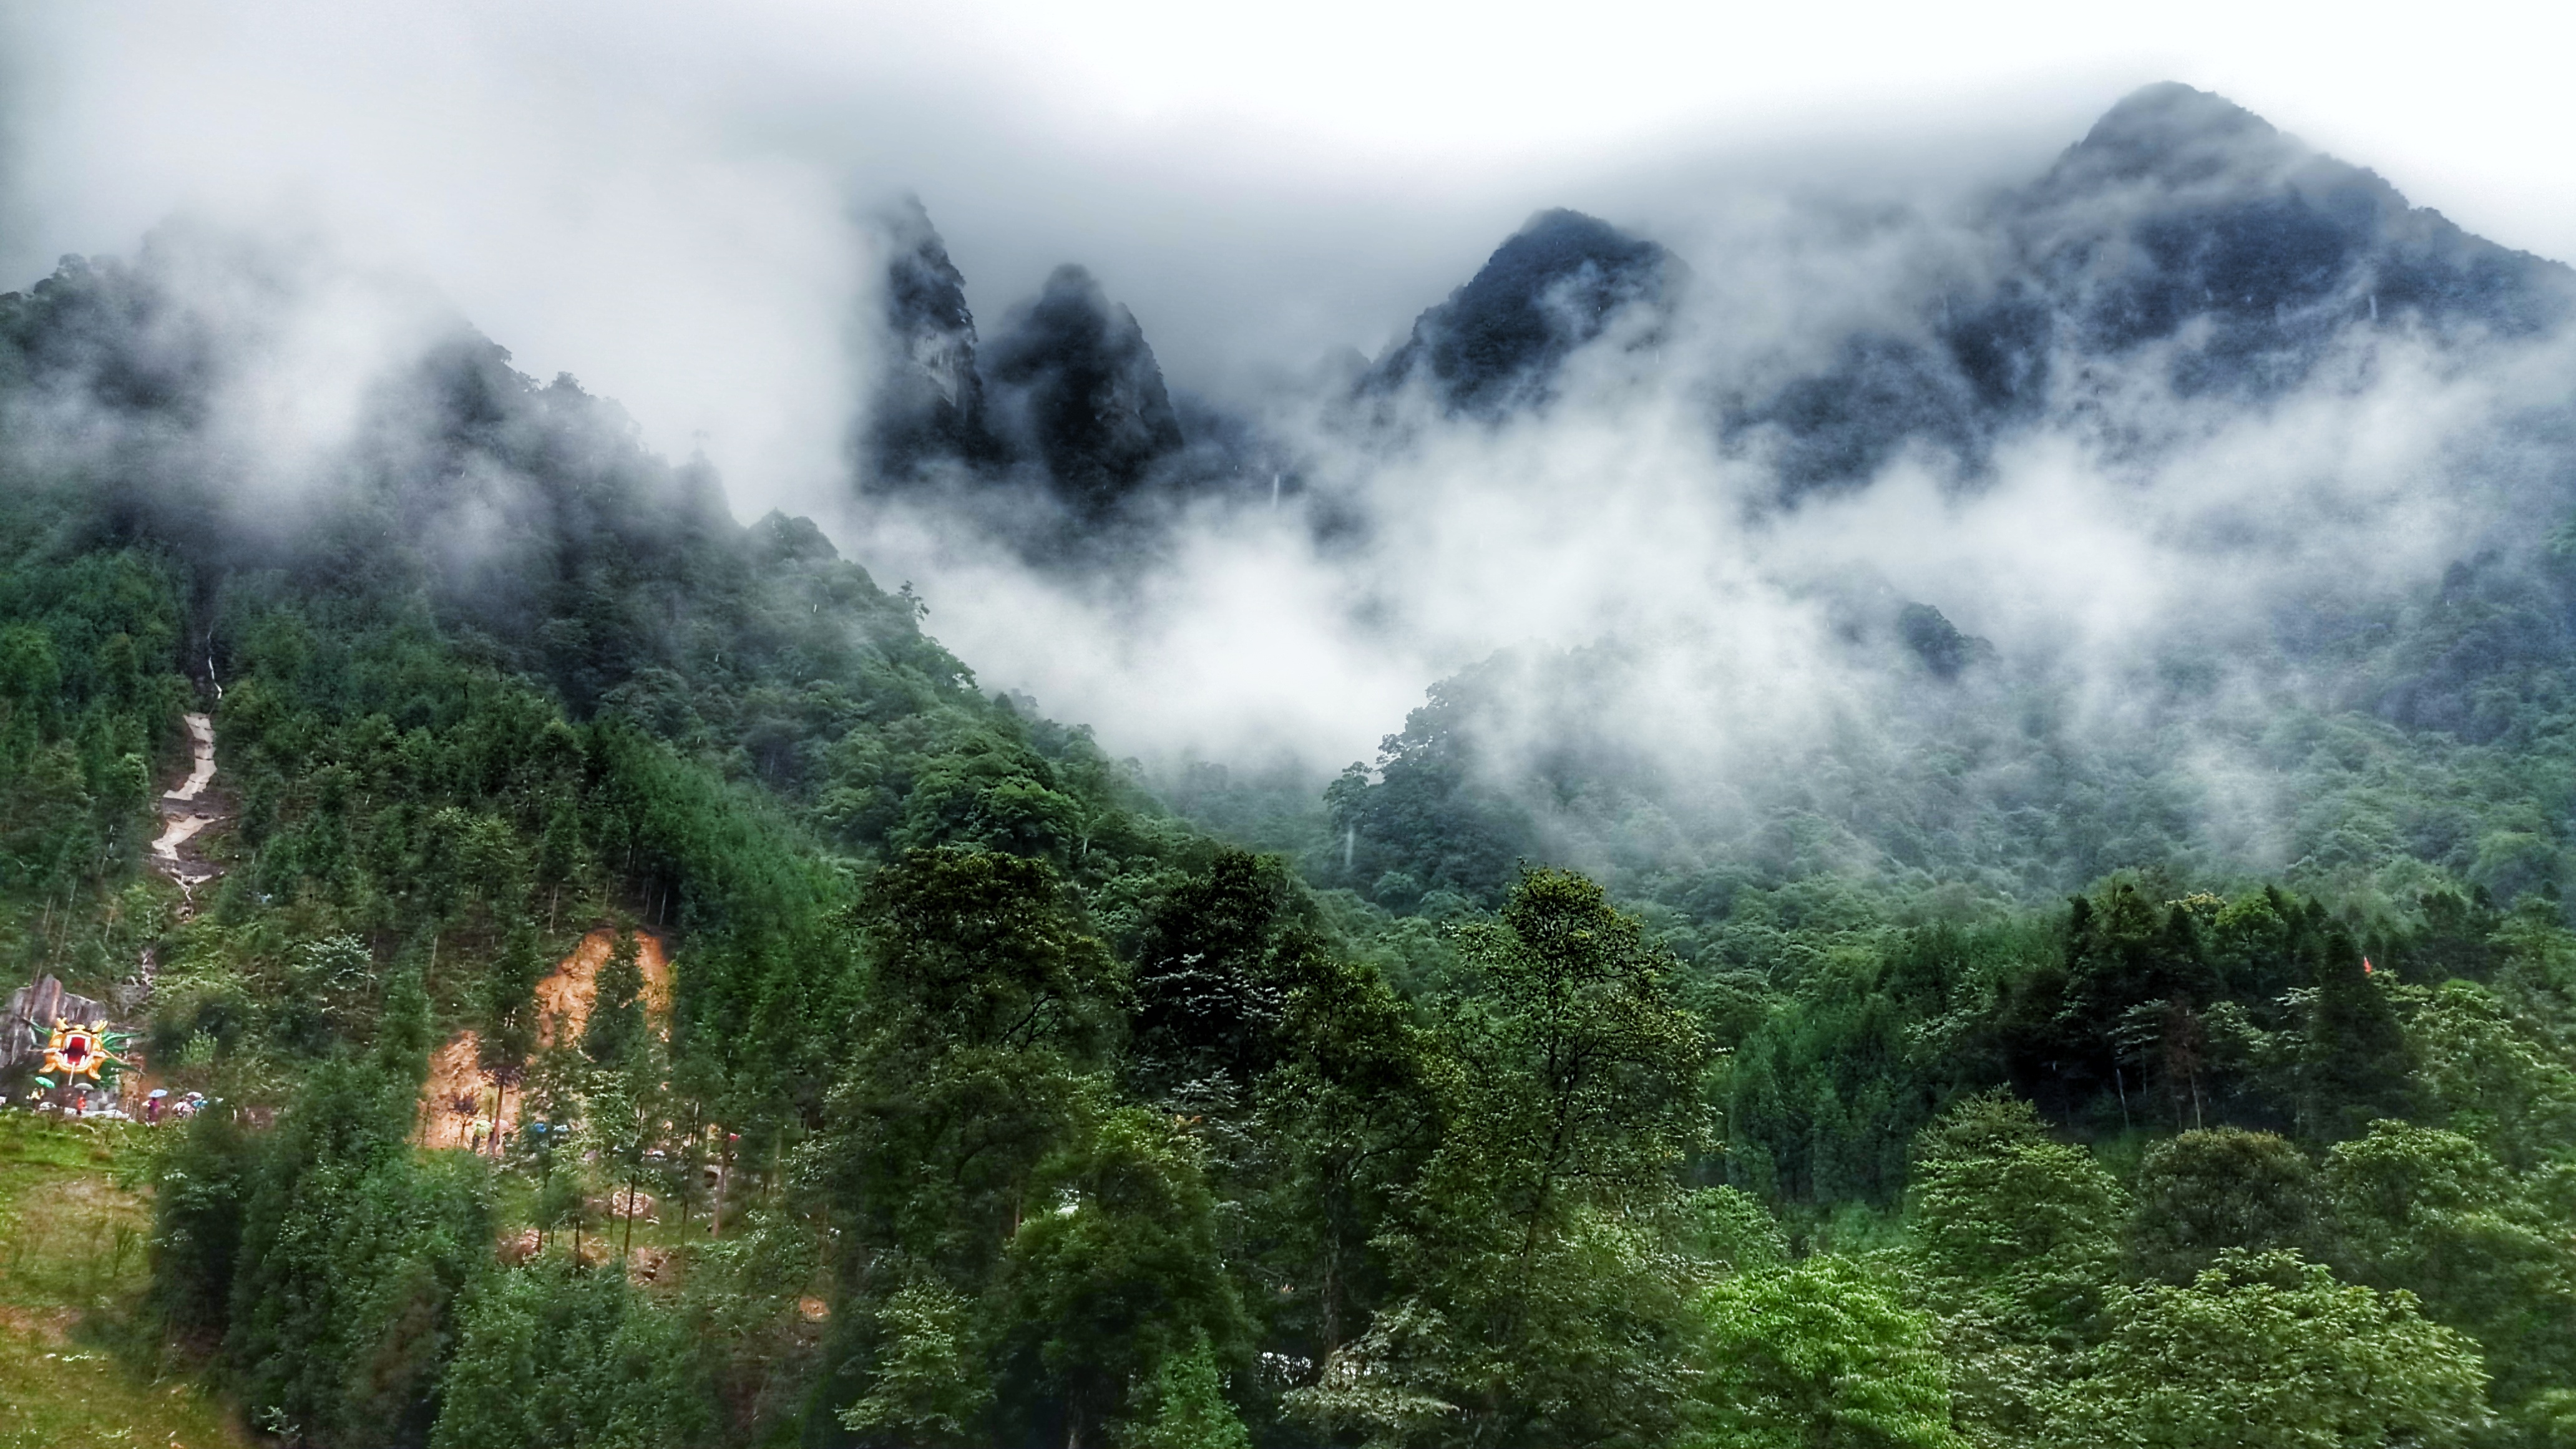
pixel 2182 234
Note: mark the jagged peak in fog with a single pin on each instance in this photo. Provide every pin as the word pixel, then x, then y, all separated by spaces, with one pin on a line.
pixel 1076 389
pixel 930 388
pixel 2183 238
pixel 2183 235
pixel 1553 286
pixel 1055 435
pixel 2143 408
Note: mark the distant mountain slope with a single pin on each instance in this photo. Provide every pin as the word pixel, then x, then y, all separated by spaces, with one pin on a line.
pixel 2181 225
pixel 2184 271
pixel 523 521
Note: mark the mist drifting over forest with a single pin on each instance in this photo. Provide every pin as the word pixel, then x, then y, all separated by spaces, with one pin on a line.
pixel 2146 422
pixel 911 727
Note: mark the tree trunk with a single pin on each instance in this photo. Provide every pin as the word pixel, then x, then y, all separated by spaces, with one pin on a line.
pixel 689 1167
pixel 724 1181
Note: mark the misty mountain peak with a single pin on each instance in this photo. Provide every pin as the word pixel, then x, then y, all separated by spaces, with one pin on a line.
pixel 1049 434
pixel 2183 236
pixel 1553 286
pixel 1074 386
pixel 923 284
pixel 2175 134
pixel 929 396
pixel 1072 301
pixel 2181 207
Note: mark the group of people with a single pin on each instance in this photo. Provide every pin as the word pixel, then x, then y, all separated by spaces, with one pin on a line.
pixel 158 1106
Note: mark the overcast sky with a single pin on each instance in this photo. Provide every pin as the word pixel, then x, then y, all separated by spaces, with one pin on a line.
pixel 648 195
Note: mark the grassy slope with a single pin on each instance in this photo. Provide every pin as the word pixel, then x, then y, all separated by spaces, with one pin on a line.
pixel 75 1372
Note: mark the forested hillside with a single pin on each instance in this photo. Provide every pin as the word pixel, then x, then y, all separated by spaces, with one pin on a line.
pixel 1956 1084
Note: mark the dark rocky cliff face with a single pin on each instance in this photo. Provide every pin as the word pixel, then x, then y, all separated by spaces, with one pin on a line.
pixel 930 401
pixel 1075 389
pixel 1051 435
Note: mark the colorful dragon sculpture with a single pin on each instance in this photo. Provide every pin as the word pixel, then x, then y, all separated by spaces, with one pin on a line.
pixel 75 1051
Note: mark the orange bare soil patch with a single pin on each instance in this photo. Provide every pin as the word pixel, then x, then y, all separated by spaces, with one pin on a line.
pixel 564 998
pixel 455 1082
pixel 456 1097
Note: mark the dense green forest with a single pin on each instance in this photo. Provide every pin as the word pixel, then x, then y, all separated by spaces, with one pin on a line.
pixel 998 1103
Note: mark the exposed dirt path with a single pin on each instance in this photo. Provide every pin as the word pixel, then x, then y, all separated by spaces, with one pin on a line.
pixel 186 811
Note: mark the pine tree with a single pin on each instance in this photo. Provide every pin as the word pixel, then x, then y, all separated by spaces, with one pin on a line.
pixel 2358 1067
pixel 616 1029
